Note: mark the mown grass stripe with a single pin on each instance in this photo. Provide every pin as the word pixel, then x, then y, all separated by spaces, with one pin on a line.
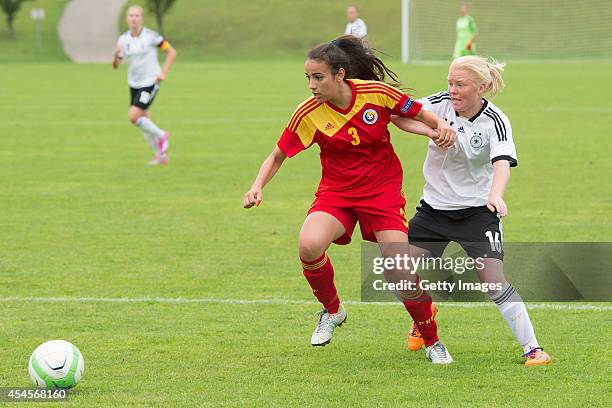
pixel 555 306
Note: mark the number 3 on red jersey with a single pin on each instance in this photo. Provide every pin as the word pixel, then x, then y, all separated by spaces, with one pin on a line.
pixel 353 133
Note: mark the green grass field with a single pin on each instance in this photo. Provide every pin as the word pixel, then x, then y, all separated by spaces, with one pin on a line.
pixel 84 217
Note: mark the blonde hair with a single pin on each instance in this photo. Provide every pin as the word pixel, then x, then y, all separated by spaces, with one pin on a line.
pixel 485 71
pixel 137 7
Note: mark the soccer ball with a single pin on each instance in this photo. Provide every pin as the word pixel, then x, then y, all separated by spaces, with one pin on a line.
pixel 56 364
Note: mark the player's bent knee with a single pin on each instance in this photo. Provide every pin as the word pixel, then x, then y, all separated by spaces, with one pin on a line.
pixel 133 116
pixel 311 249
pixel 418 252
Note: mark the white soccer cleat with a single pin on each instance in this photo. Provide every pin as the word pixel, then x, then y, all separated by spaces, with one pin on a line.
pixel 438 354
pixel 325 326
pixel 159 159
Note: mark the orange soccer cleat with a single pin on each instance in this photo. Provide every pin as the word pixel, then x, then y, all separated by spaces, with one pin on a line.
pixel 415 340
pixel 537 356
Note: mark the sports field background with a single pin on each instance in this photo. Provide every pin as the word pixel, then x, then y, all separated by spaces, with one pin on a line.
pixel 177 296
pixel 523 29
pixel 207 30
pixel 83 217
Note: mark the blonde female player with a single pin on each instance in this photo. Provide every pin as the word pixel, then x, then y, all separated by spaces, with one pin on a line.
pixel 140 45
pixel 464 188
pixel 347 116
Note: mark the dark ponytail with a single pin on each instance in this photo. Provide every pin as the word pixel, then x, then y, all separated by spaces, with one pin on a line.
pixel 358 60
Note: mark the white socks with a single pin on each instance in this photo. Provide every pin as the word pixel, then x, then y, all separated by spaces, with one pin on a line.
pixel 514 311
pixel 151 141
pixel 148 126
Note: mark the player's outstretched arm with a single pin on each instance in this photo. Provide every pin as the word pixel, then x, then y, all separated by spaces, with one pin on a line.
pixel 474 29
pixel 267 170
pixel 170 57
pixel 501 175
pixel 446 134
pixel 116 57
pixel 470 42
pixel 414 126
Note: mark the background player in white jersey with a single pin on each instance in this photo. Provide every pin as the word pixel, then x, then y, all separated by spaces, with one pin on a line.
pixel 464 187
pixel 139 45
pixel 355 26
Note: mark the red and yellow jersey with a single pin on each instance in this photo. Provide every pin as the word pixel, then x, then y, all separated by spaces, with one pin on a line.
pixel 357 157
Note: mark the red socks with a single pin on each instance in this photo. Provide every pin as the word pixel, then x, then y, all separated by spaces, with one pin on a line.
pixel 320 275
pixel 418 304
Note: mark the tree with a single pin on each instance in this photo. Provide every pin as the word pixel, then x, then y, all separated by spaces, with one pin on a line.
pixel 159 8
pixel 10 9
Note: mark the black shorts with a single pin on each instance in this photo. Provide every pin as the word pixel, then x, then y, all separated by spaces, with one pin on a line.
pixel 143 97
pixel 476 229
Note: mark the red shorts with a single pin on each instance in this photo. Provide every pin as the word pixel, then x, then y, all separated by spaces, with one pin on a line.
pixel 380 212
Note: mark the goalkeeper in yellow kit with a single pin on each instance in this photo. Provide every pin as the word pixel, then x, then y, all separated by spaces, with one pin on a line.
pixel 466 34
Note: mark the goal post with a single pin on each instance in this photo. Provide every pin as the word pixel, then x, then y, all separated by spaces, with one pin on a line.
pixel 405 31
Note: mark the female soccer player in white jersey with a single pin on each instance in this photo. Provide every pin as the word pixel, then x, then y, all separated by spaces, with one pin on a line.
pixel 140 45
pixel 464 187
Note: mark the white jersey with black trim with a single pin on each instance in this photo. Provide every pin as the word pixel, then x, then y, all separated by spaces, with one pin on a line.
pixel 461 177
pixel 357 29
pixel 141 51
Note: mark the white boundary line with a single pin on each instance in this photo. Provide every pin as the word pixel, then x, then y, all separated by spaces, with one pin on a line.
pixel 555 306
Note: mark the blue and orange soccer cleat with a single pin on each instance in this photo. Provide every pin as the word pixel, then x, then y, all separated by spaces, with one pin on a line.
pixel 415 340
pixel 537 356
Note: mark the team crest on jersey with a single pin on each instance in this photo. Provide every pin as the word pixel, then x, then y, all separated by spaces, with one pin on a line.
pixel 370 116
pixel 476 140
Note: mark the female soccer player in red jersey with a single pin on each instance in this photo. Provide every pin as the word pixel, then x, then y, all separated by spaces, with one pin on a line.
pixel 347 116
